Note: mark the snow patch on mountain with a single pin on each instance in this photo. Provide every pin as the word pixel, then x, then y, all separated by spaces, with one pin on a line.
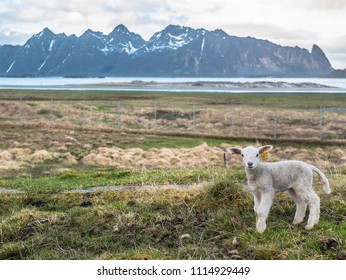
pixel 172 38
pixel 202 46
pixel 130 49
pixel 44 62
pixel 9 68
pixel 51 45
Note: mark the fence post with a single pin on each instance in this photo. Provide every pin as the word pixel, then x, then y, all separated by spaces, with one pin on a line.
pixel 84 114
pixel 115 114
pixel 51 109
pixel 232 120
pixel 194 117
pixel 275 123
pixel 321 123
pixel 21 110
pixel 119 124
pixel 155 111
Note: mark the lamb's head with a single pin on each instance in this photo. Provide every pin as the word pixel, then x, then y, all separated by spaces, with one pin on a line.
pixel 251 155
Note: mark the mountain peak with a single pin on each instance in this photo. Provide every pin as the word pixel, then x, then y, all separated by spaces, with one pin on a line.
pixel 122 40
pixel 176 29
pixel 44 35
pixel 173 26
pixel 45 32
pixel 90 33
pixel 121 28
pixel 316 49
pixel 320 56
pixel 171 38
pixel 220 32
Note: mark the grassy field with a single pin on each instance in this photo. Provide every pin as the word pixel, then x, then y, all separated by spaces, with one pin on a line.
pixel 284 100
pixel 266 115
pixel 54 215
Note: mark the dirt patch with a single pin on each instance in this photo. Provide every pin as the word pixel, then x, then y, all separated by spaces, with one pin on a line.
pixel 13 191
pixel 140 188
pixel 171 114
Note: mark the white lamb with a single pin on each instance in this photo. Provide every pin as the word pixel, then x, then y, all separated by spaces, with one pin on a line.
pixel 266 179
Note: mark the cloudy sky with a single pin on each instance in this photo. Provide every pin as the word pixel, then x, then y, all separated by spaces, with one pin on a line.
pixel 286 22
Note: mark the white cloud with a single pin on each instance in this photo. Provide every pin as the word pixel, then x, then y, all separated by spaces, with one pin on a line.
pixel 338 60
pixel 11 37
pixel 74 18
pixel 287 22
pixel 325 4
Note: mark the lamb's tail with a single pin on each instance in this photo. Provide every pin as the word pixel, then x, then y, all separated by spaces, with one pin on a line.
pixel 326 185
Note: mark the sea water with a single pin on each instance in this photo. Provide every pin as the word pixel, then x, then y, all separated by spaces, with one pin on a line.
pixel 56 83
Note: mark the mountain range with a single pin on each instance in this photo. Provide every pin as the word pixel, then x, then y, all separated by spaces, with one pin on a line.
pixel 176 51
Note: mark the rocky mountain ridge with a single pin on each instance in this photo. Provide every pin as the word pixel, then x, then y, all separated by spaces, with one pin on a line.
pixel 176 51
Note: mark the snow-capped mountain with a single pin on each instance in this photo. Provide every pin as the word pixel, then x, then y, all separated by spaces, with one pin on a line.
pixel 122 40
pixel 174 51
pixel 172 37
pixel 41 53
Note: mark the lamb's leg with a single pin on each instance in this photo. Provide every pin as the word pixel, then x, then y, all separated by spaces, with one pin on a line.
pixel 301 206
pixel 314 209
pixel 257 200
pixel 263 211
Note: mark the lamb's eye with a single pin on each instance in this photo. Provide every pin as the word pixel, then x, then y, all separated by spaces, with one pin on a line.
pixel 242 155
pixel 257 155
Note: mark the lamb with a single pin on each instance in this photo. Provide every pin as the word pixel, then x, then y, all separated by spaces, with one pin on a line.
pixel 266 179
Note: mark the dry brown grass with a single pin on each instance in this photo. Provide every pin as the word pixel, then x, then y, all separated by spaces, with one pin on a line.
pixel 200 156
pixel 249 121
pixel 165 158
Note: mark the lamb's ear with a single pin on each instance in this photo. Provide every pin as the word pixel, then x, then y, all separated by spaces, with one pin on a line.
pixel 265 149
pixel 234 151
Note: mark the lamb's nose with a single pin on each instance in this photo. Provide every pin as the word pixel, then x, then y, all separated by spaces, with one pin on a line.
pixel 250 164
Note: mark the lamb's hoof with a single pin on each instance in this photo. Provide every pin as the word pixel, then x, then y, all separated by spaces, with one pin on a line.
pixel 261 228
pixel 297 222
pixel 308 227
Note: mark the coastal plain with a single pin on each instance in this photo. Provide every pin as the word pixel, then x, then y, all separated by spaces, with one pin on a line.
pixel 170 195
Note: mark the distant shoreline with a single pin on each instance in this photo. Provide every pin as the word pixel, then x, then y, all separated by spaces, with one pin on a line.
pixel 217 85
pixel 158 84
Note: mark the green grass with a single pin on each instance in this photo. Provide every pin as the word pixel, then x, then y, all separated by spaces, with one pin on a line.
pixel 83 180
pixel 270 99
pixel 53 224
